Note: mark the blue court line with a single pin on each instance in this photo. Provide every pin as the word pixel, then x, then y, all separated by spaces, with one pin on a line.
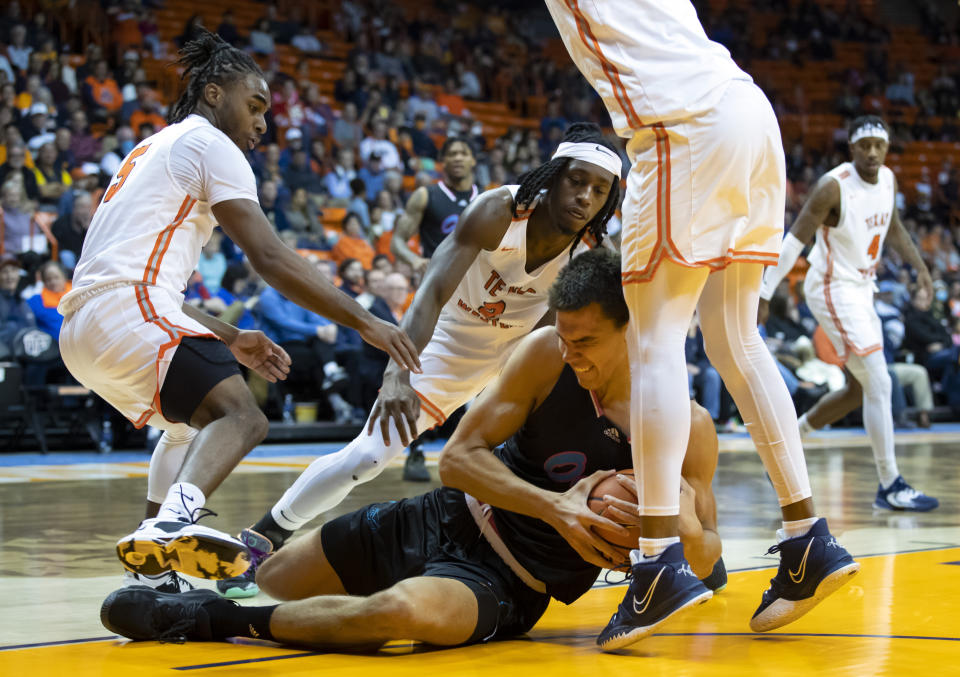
pixel 58 643
pixel 249 660
pixel 16 459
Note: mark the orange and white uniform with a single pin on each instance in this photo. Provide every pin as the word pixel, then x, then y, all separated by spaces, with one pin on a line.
pixel 839 286
pixel 707 185
pixel 496 304
pixel 123 319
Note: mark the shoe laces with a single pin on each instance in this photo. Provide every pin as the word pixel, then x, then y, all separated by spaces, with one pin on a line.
pixel 198 514
pixel 627 576
pixel 175 634
pixel 773 549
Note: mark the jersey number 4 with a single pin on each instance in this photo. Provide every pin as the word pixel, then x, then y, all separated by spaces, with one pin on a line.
pixel 874 249
pixel 124 172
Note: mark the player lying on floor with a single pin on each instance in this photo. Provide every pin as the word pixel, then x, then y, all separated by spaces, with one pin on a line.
pixel 480 558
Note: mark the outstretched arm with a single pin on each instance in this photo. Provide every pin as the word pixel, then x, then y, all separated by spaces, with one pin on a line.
pixel 481 226
pixel 297 279
pixel 252 349
pixel 468 463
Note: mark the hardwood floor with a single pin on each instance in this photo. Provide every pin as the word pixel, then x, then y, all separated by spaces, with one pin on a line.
pixel 59 523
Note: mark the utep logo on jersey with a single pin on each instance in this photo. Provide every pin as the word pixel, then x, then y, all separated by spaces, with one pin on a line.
pixel 449 223
pixel 495 283
pixel 491 311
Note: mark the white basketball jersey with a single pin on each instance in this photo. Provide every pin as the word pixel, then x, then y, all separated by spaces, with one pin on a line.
pixel 850 251
pixel 497 291
pixel 649 60
pixel 155 216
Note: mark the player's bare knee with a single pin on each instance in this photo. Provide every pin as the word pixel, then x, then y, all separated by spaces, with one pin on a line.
pixel 390 613
pixel 699 417
pixel 272 577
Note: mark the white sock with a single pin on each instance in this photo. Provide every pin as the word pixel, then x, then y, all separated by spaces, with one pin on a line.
pixel 805 427
pixel 182 500
pixel 796 528
pixel 651 548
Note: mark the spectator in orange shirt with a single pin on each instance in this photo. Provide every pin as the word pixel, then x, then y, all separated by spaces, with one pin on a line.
pixel 352 244
pixel 144 110
pixel 100 91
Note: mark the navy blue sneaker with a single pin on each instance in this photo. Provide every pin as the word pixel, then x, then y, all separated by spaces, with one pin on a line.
pixel 142 613
pixel 717 580
pixel 812 567
pixel 658 591
pixel 901 496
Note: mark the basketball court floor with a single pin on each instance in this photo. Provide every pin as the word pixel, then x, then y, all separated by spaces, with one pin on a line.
pixel 60 516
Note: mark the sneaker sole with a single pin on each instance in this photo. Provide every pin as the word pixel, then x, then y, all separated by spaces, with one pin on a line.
pixel 240 593
pixel 200 556
pixel 893 508
pixel 784 611
pixel 635 635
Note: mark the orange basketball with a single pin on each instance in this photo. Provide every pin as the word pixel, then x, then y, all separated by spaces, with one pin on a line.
pixel 610 487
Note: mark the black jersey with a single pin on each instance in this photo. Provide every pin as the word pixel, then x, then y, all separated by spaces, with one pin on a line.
pixel 566 438
pixel 444 207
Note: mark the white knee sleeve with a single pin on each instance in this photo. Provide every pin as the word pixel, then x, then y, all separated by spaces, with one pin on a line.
pixel 329 479
pixel 728 319
pixel 871 371
pixel 167 459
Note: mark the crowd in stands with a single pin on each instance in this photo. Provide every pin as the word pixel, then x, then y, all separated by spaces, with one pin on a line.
pixel 335 169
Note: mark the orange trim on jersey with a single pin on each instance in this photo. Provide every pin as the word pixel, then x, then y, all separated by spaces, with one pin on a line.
pixel 613 75
pixel 142 421
pixel 663 160
pixel 163 242
pixel 432 410
pixel 716 265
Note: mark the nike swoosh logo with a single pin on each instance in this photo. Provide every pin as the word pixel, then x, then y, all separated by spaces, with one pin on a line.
pixel 797 577
pixel 647 597
pixel 508 249
pixel 284 515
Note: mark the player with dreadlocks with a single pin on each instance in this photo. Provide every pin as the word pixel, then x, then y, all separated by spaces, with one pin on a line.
pixel 484 290
pixel 128 335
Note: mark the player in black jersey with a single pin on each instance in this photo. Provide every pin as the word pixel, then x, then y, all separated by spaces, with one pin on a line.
pixel 445 567
pixel 433 212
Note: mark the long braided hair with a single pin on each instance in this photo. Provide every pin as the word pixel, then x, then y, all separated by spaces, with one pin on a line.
pixel 208 58
pixel 544 176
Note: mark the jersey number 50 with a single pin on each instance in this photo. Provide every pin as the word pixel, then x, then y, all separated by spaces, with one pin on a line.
pixel 124 172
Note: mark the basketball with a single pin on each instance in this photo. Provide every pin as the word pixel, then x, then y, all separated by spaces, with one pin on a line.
pixel 610 487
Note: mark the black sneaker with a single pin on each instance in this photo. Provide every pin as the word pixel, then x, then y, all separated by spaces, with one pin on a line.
pixel 812 567
pixel 142 613
pixel 717 580
pixel 245 585
pixel 415 467
pixel 658 591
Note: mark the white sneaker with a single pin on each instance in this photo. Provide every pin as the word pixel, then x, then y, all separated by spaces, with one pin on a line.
pixel 169 581
pixel 159 545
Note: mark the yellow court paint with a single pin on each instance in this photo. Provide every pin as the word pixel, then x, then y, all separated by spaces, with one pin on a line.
pixel 897 617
